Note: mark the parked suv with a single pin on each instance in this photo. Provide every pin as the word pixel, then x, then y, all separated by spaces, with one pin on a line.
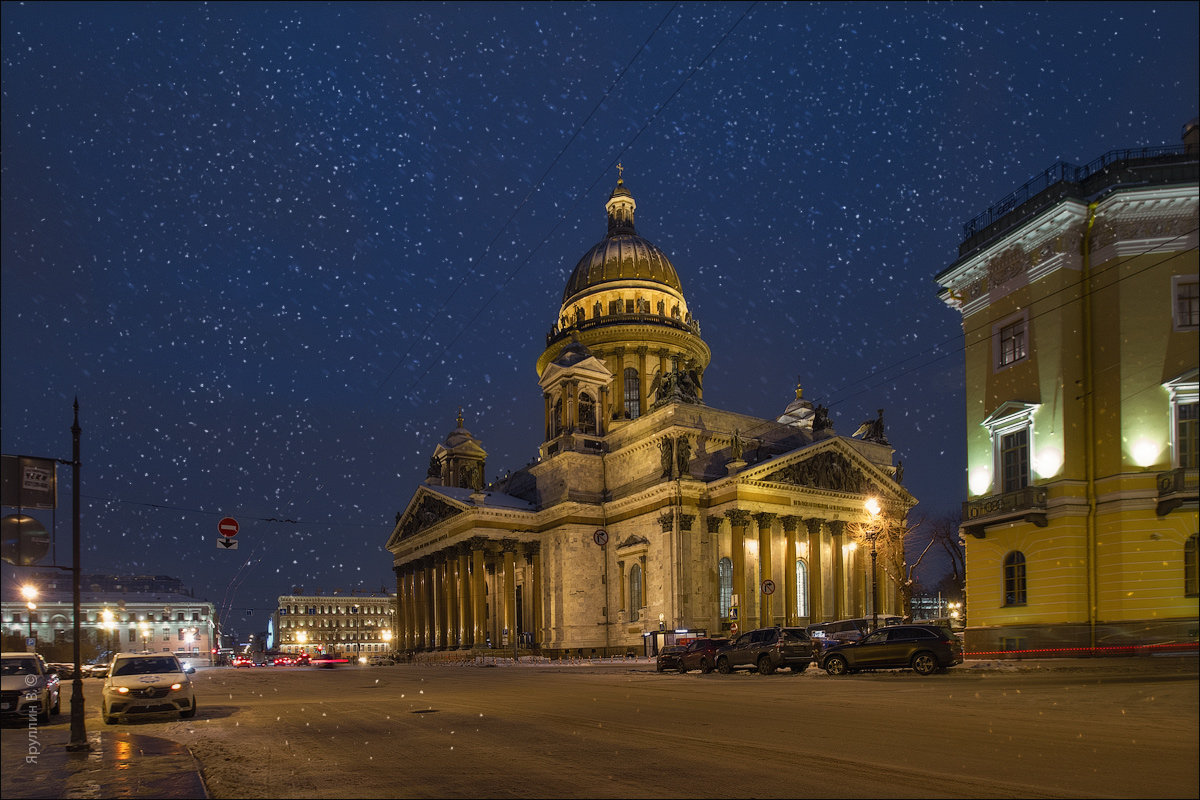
pixel 28 684
pixel 924 648
pixel 769 649
pixel 701 654
pixel 829 634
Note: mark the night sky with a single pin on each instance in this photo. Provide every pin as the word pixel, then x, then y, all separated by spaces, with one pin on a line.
pixel 273 248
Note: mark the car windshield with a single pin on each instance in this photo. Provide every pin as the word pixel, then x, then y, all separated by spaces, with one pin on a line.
pixel 20 666
pixel 145 666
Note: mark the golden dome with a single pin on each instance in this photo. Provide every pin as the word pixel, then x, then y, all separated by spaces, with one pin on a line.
pixel 622 255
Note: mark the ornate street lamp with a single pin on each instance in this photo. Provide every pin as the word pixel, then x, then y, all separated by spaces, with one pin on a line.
pixel 145 631
pixel 873 530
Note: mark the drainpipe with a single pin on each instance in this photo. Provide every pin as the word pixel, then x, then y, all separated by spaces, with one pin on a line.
pixel 1089 421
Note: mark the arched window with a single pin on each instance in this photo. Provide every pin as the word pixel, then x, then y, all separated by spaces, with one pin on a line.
pixel 725 580
pixel 635 592
pixel 1014 579
pixel 633 394
pixel 587 413
pixel 556 419
pixel 1191 581
pixel 801 588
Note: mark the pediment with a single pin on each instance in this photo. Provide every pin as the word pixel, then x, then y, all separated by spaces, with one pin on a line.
pixel 633 540
pixel 833 467
pixel 425 511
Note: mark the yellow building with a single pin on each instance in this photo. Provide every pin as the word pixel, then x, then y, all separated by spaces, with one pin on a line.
pixel 1079 304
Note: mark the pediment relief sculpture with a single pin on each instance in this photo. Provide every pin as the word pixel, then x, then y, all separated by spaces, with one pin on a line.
pixel 826 470
pixel 429 512
pixel 633 540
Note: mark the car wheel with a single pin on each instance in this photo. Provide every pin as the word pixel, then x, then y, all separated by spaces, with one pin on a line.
pixel 836 665
pixel 765 667
pixel 57 704
pixel 924 663
pixel 191 712
pixel 682 669
pixel 44 710
pixel 706 666
pixel 659 667
pixel 798 668
pixel 723 666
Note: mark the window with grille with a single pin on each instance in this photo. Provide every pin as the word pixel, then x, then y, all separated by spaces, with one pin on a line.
pixel 801 588
pixel 633 402
pixel 635 592
pixel 725 579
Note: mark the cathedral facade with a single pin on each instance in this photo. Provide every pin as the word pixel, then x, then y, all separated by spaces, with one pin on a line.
pixel 648 511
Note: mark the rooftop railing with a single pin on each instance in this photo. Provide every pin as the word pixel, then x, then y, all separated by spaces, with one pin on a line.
pixel 1061 172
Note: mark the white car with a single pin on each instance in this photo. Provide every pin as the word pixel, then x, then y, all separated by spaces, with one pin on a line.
pixel 26 684
pixel 146 683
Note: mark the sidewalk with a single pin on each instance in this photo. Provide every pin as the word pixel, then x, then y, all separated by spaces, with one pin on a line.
pixel 120 764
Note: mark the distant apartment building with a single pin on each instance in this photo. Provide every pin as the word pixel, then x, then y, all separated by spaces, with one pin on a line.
pixel 356 624
pixel 1080 307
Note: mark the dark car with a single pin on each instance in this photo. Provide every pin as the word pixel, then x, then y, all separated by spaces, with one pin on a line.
pixel 769 649
pixel 701 654
pixel 924 648
pixel 670 657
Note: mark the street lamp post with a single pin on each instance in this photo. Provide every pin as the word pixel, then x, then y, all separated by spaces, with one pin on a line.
pixel 144 629
pixel 29 592
pixel 873 509
pixel 107 616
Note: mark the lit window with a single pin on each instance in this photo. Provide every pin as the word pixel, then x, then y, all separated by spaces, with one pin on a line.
pixel 1187 302
pixel 725 577
pixel 633 394
pixel 1184 393
pixel 1011 342
pixel 1014 579
pixel 801 588
pixel 1191 581
pixel 635 592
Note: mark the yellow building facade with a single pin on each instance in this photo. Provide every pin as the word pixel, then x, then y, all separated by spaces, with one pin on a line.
pixel 1079 304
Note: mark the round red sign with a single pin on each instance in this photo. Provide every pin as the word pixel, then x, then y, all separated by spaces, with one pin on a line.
pixel 228 527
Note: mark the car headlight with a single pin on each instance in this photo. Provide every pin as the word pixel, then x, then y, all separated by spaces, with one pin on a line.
pixel 122 690
pixel 175 687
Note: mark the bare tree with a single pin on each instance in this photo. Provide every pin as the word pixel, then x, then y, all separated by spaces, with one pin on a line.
pixel 894 541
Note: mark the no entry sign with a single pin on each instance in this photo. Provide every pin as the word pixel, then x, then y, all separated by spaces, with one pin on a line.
pixel 228 527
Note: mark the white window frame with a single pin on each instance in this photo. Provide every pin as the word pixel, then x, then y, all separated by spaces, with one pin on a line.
pixel 1010 417
pixel 1177 283
pixel 1182 391
pixel 1023 319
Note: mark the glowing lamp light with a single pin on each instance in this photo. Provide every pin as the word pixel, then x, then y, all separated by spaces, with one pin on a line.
pixel 1049 462
pixel 980 480
pixel 1145 452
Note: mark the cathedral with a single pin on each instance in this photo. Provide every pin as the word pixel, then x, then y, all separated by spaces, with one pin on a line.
pixel 648 515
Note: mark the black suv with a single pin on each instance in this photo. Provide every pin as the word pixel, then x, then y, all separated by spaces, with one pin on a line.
pixel 924 648
pixel 769 649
